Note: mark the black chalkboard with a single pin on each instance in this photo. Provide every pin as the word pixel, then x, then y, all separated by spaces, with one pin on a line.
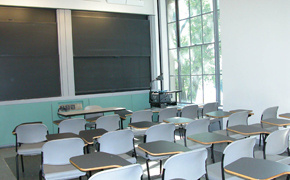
pixel 111 52
pixel 96 75
pixel 29 62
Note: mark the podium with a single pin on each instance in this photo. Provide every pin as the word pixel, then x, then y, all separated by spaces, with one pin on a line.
pixel 158 98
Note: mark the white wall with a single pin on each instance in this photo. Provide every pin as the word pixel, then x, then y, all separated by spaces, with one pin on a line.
pixel 94 5
pixel 256 54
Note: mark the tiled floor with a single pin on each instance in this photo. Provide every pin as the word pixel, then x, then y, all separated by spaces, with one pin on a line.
pixel 5 172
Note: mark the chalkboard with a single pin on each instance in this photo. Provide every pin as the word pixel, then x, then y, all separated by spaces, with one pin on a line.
pixel 96 75
pixel 111 52
pixel 29 62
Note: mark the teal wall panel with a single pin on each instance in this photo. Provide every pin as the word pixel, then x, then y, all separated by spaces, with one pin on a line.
pixel 13 115
pixel 140 102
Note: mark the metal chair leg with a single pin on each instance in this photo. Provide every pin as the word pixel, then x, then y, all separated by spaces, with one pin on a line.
pixel 17 167
pixel 40 175
pixel 160 166
pixel 22 165
pixel 220 125
pixel 212 153
pixel 148 170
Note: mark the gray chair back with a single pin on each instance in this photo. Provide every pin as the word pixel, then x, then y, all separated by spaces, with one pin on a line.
pixel 94 115
pixel 167 113
pixel 72 125
pixel 58 152
pixel 31 133
pixel 190 111
pixel 144 115
pixel 238 118
pixel 160 132
pixel 109 123
pixel 209 107
pixel 270 112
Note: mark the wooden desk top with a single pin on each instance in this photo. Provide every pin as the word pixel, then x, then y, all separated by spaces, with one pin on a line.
pixel 58 121
pixel 218 114
pixel 143 124
pixel 252 168
pixel 89 135
pixel 276 122
pixel 250 112
pixel 124 113
pixel 162 148
pixel 98 161
pixel 248 130
pixel 178 106
pixel 285 115
pixel 51 137
pixel 178 120
pixel 91 111
pixel 210 138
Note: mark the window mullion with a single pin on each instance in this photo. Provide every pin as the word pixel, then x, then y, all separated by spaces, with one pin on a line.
pixel 216 50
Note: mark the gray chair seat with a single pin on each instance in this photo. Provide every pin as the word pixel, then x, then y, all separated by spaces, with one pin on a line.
pixel 238 118
pixel 55 159
pixel 273 157
pixel 128 158
pixel 137 132
pixel 266 126
pixel 91 125
pixel 214 172
pixel 30 149
pixel 230 134
pixel 139 116
pixel 152 158
pixel 193 145
pixel 61 171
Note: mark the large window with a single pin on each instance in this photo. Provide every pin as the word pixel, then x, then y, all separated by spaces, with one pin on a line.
pixel 194 50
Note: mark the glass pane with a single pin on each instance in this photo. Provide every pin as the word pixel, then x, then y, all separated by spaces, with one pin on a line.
pixel 196 30
pixel 174 83
pixel 196 86
pixel 208 59
pixel 172 35
pixel 185 87
pixel 195 7
pixel 171 14
pixel 183 9
pixel 195 56
pixel 220 59
pixel 173 64
pixel 218 4
pixel 209 89
pixel 184 61
pixel 207 6
pixel 208 28
pixel 184 33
